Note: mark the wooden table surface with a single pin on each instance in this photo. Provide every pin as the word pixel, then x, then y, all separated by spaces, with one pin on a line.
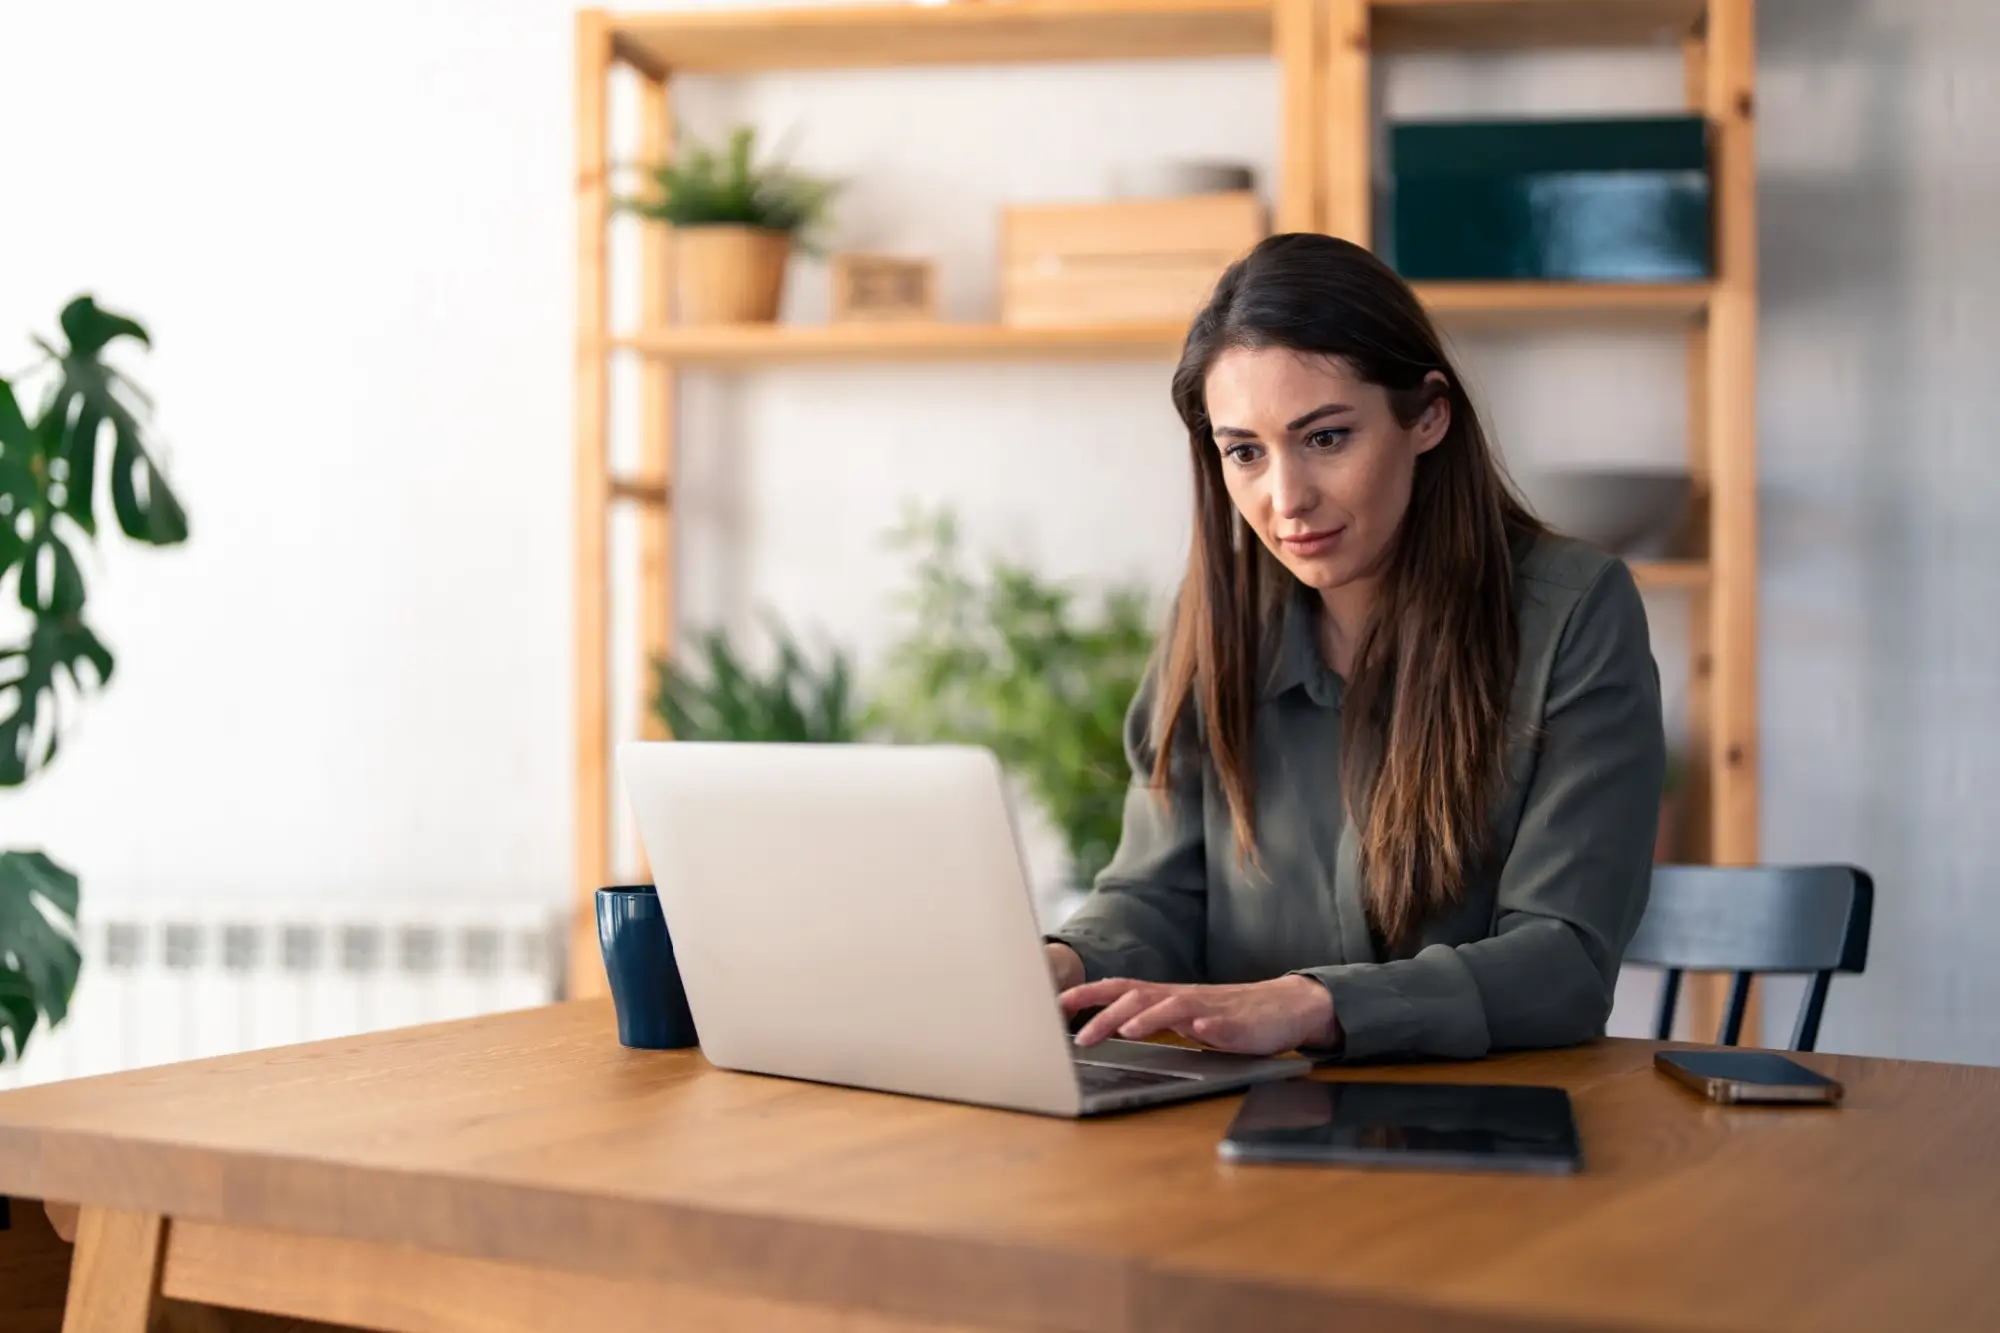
pixel 525 1171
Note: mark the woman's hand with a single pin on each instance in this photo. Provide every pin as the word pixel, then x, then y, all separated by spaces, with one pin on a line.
pixel 1065 968
pixel 1261 1018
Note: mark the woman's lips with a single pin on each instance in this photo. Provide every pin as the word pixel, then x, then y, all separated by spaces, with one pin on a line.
pixel 1312 543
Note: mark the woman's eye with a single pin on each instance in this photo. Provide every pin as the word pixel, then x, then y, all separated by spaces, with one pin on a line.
pixel 1331 438
pixel 1243 454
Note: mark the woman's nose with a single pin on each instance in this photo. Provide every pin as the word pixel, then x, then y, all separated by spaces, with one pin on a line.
pixel 1292 492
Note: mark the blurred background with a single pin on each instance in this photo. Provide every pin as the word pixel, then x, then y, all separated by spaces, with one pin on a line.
pixel 332 785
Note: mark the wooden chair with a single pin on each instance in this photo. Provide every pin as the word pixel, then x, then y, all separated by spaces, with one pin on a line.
pixel 1746 920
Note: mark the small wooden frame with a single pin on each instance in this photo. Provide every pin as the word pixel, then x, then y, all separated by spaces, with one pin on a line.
pixel 874 289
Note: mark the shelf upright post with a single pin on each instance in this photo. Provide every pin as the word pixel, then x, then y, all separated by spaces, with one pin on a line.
pixel 592 812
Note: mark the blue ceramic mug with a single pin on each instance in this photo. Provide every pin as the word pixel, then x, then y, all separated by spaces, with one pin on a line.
pixel 639 962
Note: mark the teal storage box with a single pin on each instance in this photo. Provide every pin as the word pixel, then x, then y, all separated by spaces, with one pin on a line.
pixel 1614 200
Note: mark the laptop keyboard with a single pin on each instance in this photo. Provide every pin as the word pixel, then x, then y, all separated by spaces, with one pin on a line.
pixel 1096 1078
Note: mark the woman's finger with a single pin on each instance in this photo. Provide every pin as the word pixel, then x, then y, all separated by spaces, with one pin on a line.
pixel 1171 1012
pixel 1106 1021
pixel 1219 1031
pixel 1093 993
pixel 1114 1015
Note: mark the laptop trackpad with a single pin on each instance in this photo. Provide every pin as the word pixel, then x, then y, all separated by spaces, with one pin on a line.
pixel 1173 1061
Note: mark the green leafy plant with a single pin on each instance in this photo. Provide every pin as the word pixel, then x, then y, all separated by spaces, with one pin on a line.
pixel 702 187
pixel 1008 660
pixel 52 467
pixel 726 699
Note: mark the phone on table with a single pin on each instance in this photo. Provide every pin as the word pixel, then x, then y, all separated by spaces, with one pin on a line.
pixel 1733 1077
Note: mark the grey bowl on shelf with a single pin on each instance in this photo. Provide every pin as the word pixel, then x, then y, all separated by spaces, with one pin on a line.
pixel 1623 510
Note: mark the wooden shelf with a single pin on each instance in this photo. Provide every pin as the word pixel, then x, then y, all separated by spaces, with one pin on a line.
pixel 1662 574
pixel 843 36
pixel 777 344
pixel 1513 304
pixel 1459 305
pixel 1431 25
pixel 734 41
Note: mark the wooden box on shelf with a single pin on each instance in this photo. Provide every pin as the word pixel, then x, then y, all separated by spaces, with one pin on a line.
pixel 1127 261
pixel 871 289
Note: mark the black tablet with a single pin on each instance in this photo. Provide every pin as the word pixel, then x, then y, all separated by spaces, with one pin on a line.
pixel 1441 1126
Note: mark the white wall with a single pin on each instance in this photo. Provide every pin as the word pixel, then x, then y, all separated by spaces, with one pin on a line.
pixel 348 230
pixel 351 233
pixel 1881 635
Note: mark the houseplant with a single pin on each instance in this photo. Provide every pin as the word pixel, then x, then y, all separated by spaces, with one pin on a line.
pixel 50 466
pixel 1667 842
pixel 1030 669
pixel 735 223
pixel 719 696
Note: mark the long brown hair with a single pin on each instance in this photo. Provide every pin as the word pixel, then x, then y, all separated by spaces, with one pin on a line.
pixel 1423 724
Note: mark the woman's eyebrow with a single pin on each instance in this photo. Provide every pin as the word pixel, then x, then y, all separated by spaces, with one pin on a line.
pixel 1323 410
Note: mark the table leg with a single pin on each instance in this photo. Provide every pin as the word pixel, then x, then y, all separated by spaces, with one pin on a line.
pixel 62 1216
pixel 34 1270
pixel 114 1281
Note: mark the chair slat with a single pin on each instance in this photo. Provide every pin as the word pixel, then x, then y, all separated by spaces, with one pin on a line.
pixel 1751 919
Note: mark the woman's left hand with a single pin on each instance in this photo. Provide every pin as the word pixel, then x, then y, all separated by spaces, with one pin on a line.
pixel 1260 1018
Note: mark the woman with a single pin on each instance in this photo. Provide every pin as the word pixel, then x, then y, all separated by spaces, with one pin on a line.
pixel 1397 765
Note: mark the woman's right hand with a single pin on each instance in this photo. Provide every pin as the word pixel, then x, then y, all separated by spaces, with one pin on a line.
pixel 1065 968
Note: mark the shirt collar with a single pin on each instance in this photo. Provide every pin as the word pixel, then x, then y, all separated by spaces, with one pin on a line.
pixel 1296 661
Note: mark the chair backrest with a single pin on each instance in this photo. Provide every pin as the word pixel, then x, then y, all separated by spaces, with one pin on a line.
pixel 1750 919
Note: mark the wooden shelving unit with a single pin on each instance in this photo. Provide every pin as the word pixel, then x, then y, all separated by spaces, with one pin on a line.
pixel 1323 51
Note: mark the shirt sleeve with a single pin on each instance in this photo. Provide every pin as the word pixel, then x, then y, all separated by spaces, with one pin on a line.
pixel 1575 880
pixel 1147 915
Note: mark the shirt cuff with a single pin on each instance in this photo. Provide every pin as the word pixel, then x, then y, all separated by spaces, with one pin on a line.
pixel 1094 962
pixel 1427 1005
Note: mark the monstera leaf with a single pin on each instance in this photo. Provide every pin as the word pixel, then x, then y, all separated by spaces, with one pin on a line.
pixel 51 465
pixel 49 485
pixel 91 397
pixel 28 696
pixel 38 955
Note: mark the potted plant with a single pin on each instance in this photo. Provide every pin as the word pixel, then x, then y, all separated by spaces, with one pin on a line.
pixel 726 699
pixel 1673 800
pixel 734 224
pixel 50 469
pixel 1023 666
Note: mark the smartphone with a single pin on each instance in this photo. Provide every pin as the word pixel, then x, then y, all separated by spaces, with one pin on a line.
pixel 1731 1077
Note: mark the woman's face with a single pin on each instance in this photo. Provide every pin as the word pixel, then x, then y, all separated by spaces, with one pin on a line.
pixel 1315 459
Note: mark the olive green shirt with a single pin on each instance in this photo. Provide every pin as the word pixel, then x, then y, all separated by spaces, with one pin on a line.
pixel 1528 957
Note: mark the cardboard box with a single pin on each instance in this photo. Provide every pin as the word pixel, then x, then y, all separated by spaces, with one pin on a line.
pixel 1129 261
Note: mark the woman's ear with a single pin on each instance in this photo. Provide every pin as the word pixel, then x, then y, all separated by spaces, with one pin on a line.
pixel 1435 419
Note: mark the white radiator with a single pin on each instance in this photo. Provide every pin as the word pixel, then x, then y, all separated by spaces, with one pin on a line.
pixel 166 981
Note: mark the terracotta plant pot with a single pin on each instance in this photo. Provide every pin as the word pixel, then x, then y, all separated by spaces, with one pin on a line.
pixel 728 274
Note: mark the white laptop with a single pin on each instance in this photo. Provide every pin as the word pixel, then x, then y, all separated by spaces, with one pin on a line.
pixel 859 914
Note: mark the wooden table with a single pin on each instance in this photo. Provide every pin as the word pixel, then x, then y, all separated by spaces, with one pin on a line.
pixel 526 1173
